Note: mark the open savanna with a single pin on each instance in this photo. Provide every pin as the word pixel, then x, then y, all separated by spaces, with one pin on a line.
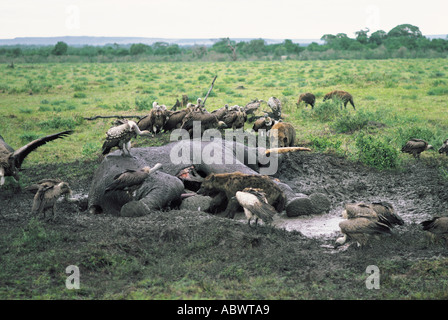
pixel 191 255
pixel 395 100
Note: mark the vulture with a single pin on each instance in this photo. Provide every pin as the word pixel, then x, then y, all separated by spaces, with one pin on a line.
pixel 343 96
pixel 120 136
pixel 175 119
pixel 251 107
pixel 208 121
pixel 264 122
pixel 437 227
pixel 235 118
pixel 155 120
pixel 49 181
pixel 255 204
pixel 307 98
pixel 444 147
pixel 276 107
pixel 221 112
pixel 47 195
pixel 415 147
pixel 361 230
pixel 378 211
pixel 131 180
pixel 11 160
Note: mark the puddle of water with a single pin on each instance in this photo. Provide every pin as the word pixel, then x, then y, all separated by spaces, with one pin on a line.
pixel 312 226
pixel 326 225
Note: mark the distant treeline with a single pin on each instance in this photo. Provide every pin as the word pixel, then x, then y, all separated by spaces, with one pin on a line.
pixel 403 41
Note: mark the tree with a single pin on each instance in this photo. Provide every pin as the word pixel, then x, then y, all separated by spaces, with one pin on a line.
pixel 362 37
pixel 406 31
pixel 60 49
pixel 378 37
pixel 138 48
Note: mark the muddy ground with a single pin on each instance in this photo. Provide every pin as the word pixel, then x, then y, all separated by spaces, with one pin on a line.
pixel 417 192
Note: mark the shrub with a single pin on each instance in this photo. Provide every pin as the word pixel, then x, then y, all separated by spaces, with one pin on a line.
pixel 406 133
pixel 325 111
pixel 79 95
pixel 325 143
pixel 439 91
pixel 349 122
pixel 59 123
pixel 144 103
pixel 375 152
pixel 28 137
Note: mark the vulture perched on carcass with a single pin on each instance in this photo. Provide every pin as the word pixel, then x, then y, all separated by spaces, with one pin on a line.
pixel 120 136
pixel 131 180
pixel 276 107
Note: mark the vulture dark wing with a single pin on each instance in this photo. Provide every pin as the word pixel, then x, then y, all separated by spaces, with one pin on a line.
pixel 20 154
pixel 5 145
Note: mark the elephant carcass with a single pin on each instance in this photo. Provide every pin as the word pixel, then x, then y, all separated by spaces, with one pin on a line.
pixel 163 188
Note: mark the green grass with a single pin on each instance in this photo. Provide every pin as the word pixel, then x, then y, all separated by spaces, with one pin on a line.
pixel 391 96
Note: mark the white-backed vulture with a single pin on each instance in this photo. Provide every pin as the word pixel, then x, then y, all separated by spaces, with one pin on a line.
pixel 343 96
pixel 255 204
pixel 131 180
pixel 307 98
pixel 120 136
pixel 444 148
pixel 276 107
pixel 361 230
pixel 11 160
pixel 47 195
pixel 437 228
pixel 415 147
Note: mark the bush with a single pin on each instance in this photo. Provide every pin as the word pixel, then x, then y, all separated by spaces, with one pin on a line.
pixel 375 152
pixel 439 91
pixel 325 111
pixel 349 122
pixel 59 123
pixel 324 143
pixel 144 103
pixel 406 133
pixel 79 95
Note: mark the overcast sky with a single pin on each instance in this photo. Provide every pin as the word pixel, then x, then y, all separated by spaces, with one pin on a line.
pixel 279 19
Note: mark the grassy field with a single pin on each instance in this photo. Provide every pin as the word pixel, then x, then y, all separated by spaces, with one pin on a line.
pixel 395 100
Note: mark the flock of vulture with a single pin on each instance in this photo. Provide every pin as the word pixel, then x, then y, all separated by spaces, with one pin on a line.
pixel 362 220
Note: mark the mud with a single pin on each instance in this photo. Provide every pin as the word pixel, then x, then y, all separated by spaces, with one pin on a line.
pixel 417 192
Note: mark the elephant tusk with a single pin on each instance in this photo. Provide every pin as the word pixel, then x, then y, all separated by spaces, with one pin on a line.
pixel 286 150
